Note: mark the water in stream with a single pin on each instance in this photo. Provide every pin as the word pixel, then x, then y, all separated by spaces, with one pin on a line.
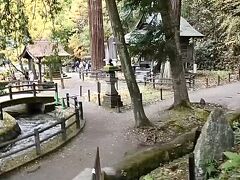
pixel 28 124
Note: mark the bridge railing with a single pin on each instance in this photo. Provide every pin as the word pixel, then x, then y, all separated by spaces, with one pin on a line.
pixel 36 133
pixel 27 88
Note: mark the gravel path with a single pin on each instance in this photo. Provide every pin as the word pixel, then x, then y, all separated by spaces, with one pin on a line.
pixel 108 130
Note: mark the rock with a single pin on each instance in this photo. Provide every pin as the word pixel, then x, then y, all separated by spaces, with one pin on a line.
pixel 202 102
pixel 216 137
pixel 9 128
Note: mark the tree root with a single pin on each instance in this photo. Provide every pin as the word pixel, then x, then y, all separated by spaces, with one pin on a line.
pixel 149 158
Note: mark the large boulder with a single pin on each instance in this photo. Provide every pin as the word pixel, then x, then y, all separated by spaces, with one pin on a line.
pixel 216 137
pixel 9 128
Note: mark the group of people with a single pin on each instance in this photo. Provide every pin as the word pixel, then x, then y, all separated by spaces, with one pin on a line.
pixel 81 66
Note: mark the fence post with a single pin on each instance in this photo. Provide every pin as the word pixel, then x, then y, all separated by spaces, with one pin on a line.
pixel 80 75
pixel 75 102
pixel 78 125
pixel 63 129
pixel 98 87
pixel 191 167
pixel 154 82
pixel 1 115
pixel 99 99
pixel 81 110
pixel 206 82
pixel 229 77
pixel 80 91
pixel 56 88
pixel 67 98
pixel 89 95
pixel 10 92
pixel 161 94
pixel 96 76
pixel 34 90
pixel 218 81
pixel 63 104
pixel 118 107
pixel 37 141
pixel 83 76
pixel 239 74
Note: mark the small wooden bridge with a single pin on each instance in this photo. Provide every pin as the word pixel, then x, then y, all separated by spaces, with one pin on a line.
pixel 31 91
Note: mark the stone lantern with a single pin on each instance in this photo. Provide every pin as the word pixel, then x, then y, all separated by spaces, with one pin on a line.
pixel 111 98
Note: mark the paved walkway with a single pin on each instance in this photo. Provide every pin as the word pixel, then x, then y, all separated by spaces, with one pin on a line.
pixel 108 131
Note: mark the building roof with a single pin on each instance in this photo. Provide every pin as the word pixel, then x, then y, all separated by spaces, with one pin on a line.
pixel 42 48
pixel 186 30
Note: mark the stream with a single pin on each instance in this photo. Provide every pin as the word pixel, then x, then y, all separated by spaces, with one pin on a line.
pixel 28 124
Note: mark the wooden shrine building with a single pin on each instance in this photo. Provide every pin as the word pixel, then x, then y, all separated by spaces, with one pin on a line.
pixel 37 52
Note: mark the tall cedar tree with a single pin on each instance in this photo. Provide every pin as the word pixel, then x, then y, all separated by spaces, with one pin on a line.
pixel 170 12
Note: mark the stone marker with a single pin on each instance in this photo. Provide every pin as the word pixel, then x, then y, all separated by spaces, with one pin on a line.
pixel 202 102
pixel 216 137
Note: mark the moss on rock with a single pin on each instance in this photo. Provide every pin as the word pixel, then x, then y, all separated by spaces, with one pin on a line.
pixel 9 128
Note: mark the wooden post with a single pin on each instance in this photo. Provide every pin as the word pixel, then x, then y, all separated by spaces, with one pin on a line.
pixel 161 94
pixel 98 87
pixel 239 74
pixel 80 91
pixel 78 125
pixel 56 88
pixel 118 107
pixel 96 76
pixel 34 90
pixel 63 128
pixel 37 142
pixel 75 102
pixel 1 115
pixel 218 80
pixel 89 95
pixel 229 77
pixel 81 110
pixel 10 92
pixel 80 75
pixel 67 98
pixel 99 99
pixel 83 76
pixel 62 82
pixel 206 82
pixel 191 167
pixel 154 82
pixel 140 97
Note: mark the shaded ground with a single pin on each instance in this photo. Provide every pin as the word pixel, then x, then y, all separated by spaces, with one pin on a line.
pixel 109 131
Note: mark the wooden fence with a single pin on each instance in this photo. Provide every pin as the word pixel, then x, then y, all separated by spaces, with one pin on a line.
pixel 30 88
pixel 36 133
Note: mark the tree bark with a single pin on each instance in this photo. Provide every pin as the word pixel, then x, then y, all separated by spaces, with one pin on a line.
pixel 171 23
pixel 136 97
pixel 96 34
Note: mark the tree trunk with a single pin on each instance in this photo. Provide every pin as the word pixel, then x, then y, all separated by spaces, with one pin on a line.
pixel 96 34
pixel 171 23
pixel 136 97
